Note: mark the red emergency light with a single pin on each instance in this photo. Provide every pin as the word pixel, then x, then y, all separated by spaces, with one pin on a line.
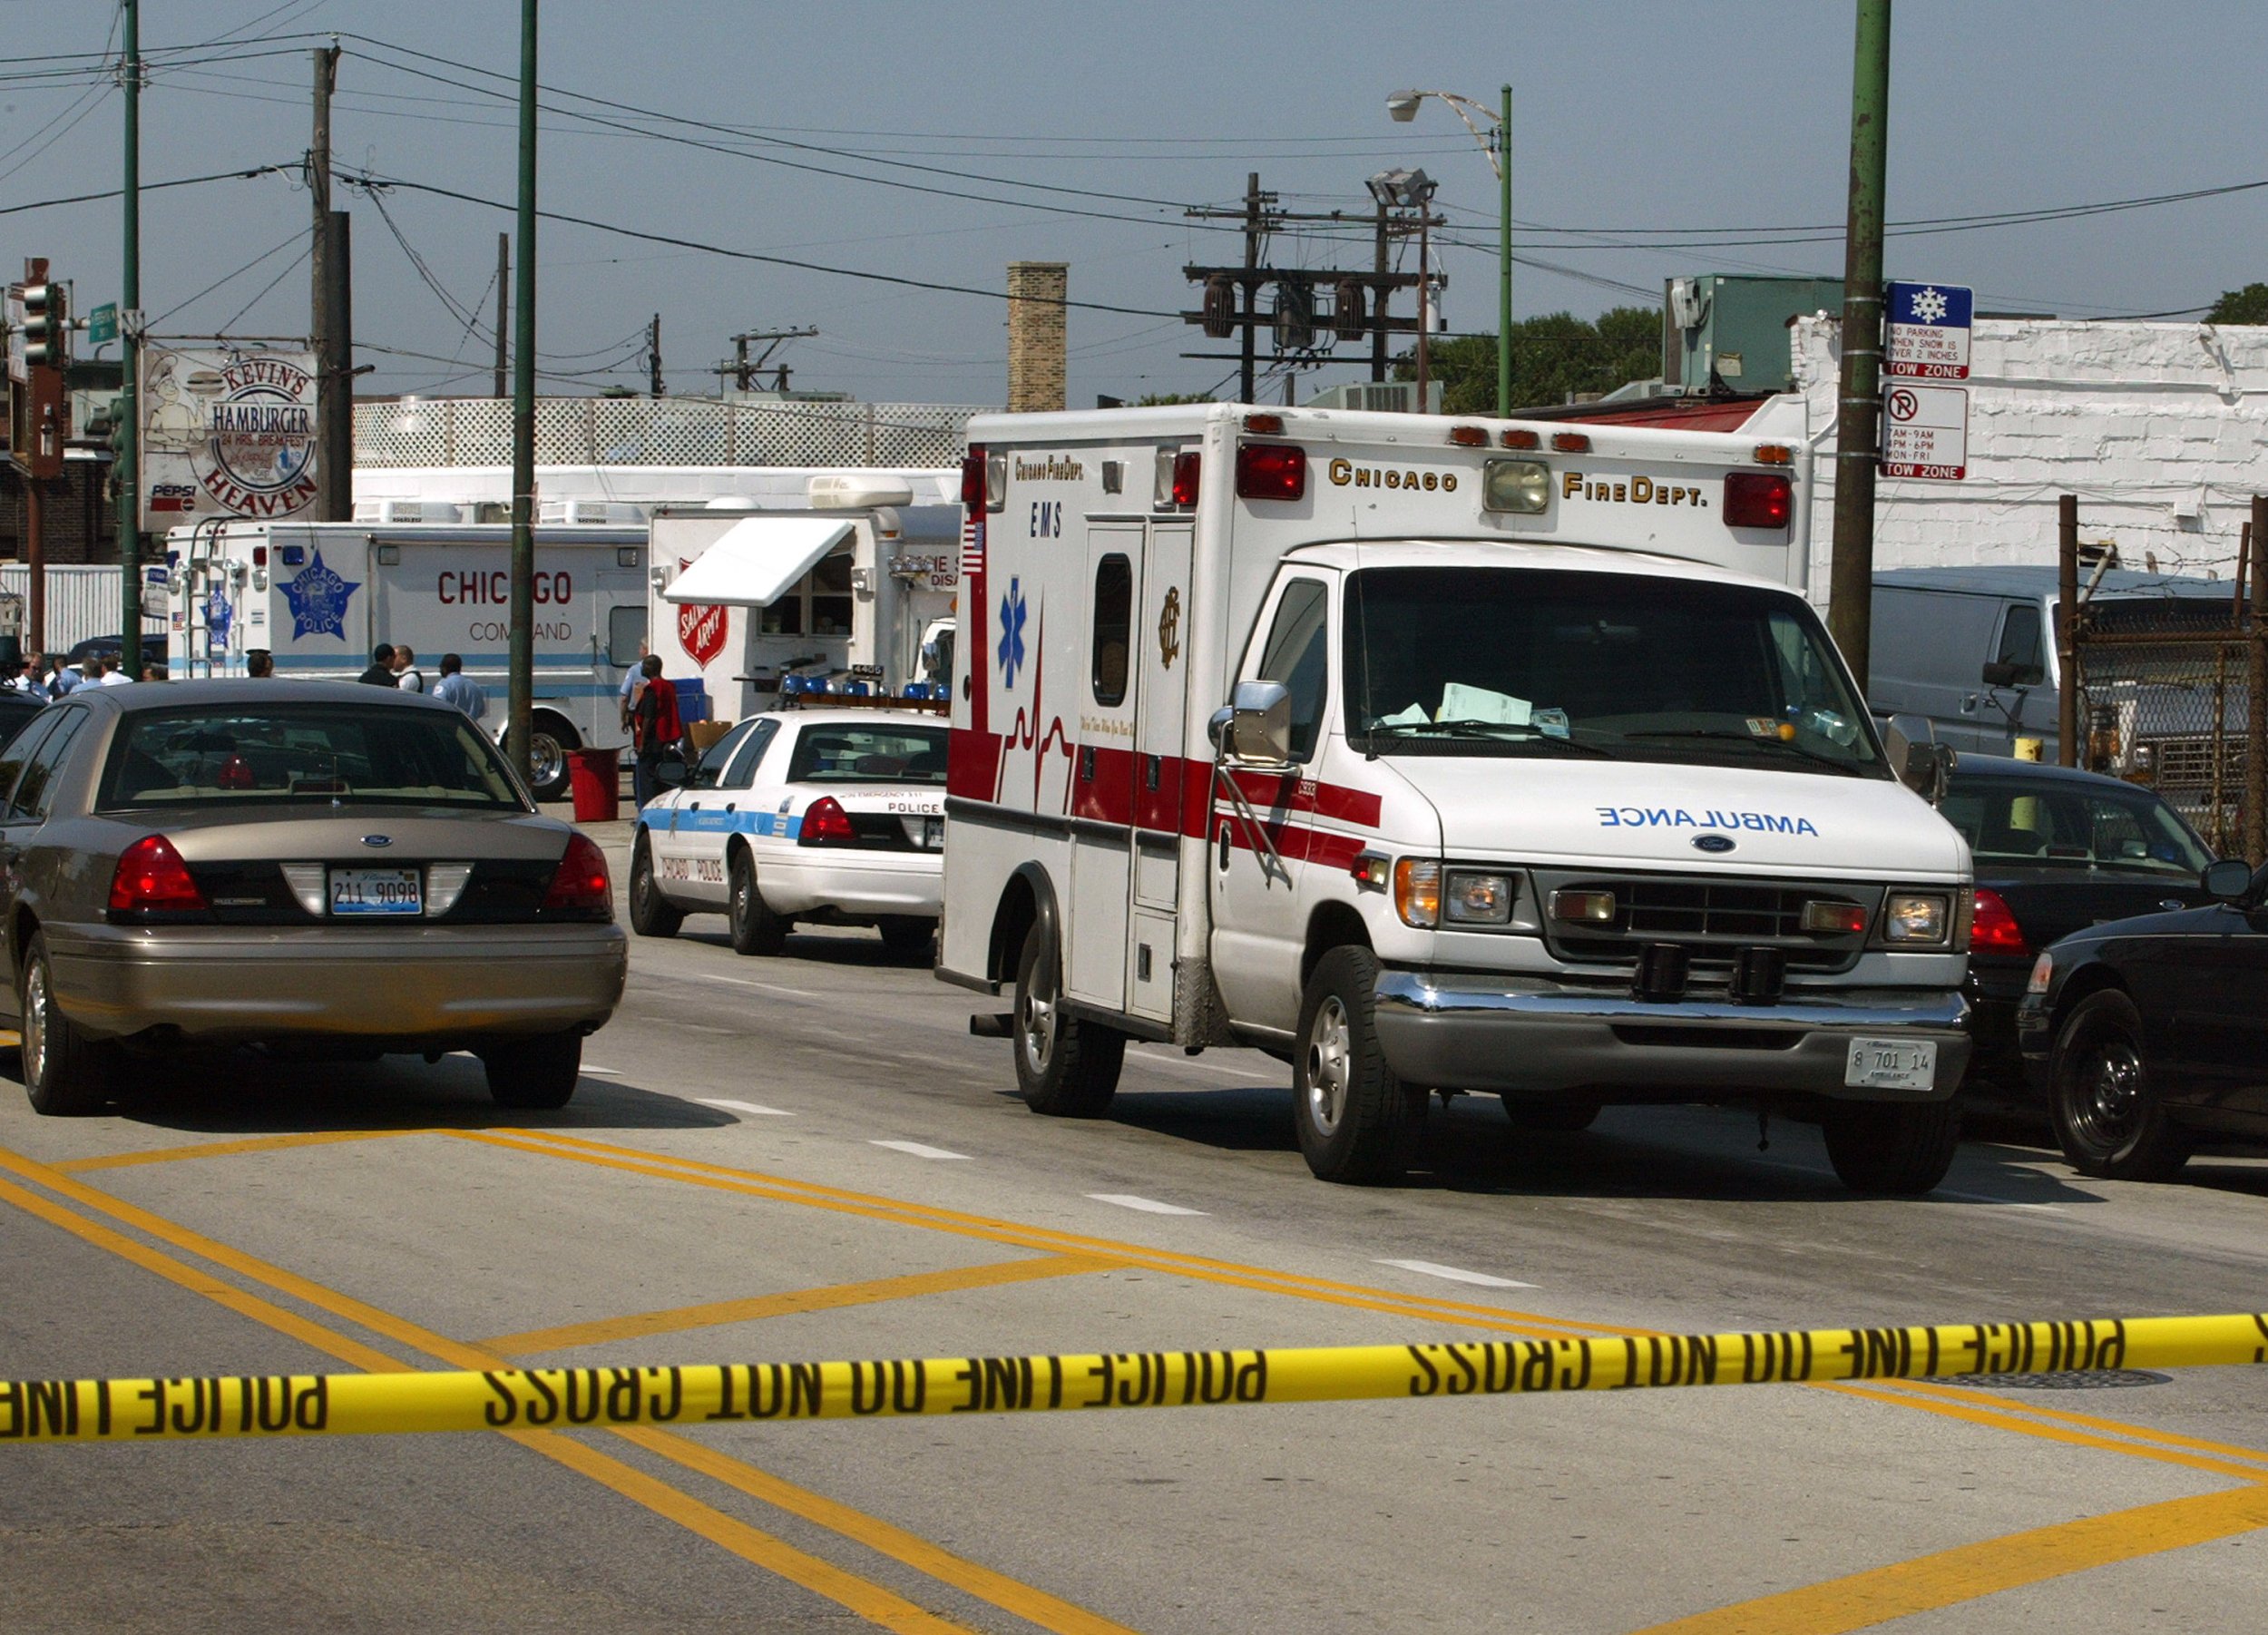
pixel 1520 436
pixel 1271 471
pixel 1571 443
pixel 1758 499
pixel 972 478
pixel 1185 473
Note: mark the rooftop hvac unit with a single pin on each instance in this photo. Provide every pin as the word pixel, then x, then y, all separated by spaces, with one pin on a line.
pixel 1379 396
pixel 590 512
pixel 858 491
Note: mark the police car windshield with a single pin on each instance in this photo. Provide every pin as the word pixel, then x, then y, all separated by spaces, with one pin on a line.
pixel 313 754
pixel 1525 661
pixel 853 752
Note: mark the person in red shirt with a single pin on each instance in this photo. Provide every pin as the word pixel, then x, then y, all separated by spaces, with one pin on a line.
pixel 656 728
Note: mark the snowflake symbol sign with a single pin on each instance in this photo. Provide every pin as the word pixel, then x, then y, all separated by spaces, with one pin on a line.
pixel 1930 306
pixel 318 599
pixel 1011 622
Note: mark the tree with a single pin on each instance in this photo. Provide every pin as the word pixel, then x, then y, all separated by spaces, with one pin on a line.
pixel 1553 355
pixel 1151 400
pixel 2245 306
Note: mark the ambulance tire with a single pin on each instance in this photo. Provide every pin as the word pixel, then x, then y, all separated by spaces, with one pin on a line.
pixel 538 1072
pixel 1891 1150
pixel 1356 1122
pixel 1067 1067
pixel 1560 1118
pixel 755 928
pixel 650 913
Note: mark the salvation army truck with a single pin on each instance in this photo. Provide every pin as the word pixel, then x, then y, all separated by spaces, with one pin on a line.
pixel 843 597
pixel 320 595
pixel 1430 756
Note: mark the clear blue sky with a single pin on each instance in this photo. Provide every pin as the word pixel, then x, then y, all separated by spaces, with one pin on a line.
pixel 1630 115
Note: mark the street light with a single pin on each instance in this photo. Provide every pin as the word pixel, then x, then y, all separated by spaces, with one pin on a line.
pixel 1496 140
pixel 1413 190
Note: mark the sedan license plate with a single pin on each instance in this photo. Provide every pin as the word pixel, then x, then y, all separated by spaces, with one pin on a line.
pixel 1891 1065
pixel 932 834
pixel 376 892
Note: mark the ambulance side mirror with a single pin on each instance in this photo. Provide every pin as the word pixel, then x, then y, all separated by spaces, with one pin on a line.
pixel 1260 722
pixel 1923 766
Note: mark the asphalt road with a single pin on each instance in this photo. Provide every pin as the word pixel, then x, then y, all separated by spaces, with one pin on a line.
pixel 808 1157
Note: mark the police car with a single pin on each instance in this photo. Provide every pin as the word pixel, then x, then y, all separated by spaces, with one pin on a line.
pixel 831 816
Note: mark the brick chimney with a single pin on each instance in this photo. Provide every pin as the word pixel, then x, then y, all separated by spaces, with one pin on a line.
pixel 1036 335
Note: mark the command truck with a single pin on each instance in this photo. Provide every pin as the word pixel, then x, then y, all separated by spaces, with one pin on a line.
pixel 1434 756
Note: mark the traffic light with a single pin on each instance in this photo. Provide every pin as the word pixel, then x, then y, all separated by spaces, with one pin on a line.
pixel 46 323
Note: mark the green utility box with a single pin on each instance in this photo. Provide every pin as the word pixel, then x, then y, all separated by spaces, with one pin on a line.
pixel 1721 329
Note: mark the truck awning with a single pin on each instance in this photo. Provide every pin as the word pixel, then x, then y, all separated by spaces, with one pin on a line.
pixel 757 559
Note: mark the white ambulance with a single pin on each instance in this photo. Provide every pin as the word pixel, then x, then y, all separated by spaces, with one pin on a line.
pixel 842 597
pixel 319 596
pixel 1437 756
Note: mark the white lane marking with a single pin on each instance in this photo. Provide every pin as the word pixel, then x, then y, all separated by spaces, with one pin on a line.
pixel 742 982
pixel 1456 1274
pixel 748 1107
pixel 918 1150
pixel 1149 1205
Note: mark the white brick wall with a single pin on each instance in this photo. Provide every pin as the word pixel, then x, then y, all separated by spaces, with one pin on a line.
pixel 2160 429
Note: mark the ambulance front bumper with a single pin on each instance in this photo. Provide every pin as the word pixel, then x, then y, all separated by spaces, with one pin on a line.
pixel 1465 1032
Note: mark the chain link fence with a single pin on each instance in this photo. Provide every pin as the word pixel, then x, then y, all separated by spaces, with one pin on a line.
pixel 666 431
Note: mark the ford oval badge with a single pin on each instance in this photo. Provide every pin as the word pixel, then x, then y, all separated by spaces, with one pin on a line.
pixel 1716 844
pixel 389 840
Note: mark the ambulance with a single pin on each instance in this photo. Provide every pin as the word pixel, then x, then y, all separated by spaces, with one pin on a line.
pixel 1432 756
pixel 319 596
pixel 843 598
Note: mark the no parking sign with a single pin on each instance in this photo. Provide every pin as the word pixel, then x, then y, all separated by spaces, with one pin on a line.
pixel 1925 431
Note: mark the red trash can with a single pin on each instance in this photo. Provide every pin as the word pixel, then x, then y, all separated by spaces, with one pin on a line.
pixel 596 778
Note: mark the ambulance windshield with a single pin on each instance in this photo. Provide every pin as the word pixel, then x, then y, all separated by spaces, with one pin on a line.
pixel 1521 662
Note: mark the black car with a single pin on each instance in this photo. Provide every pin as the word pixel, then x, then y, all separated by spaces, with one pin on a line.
pixel 16 710
pixel 2057 850
pixel 96 647
pixel 2153 1033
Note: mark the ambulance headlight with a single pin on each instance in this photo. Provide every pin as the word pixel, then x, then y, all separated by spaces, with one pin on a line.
pixel 1918 919
pixel 1472 898
pixel 1521 486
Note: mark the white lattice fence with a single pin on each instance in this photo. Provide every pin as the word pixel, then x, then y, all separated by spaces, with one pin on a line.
pixel 668 431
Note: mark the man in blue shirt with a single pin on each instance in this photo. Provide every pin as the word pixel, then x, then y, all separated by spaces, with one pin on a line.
pixel 456 688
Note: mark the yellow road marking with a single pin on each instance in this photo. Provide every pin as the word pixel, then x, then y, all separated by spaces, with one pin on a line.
pixel 1949 1577
pixel 716 1313
pixel 262 1143
pixel 2038 1410
pixel 1991 1415
pixel 868 1601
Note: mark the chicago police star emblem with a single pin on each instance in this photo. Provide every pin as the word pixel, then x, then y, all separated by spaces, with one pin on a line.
pixel 319 596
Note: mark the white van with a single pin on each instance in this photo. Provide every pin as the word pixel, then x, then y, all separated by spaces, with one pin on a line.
pixel 1437 756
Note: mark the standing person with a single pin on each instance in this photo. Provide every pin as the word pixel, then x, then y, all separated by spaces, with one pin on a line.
pixel 62 680
pixel 406 675
pixel 381 671
pixel 260 664
pixel 630 679
pixel 456 688
pixel 654 722
pixel 113 676
pixel 32 678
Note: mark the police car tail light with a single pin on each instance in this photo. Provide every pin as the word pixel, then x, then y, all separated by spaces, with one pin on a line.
pixel 1995 929
pixel 1758 499
pixel 150 876
pixel 1835 919
pixel 580 881
pixel 1271 471
pixel 825 823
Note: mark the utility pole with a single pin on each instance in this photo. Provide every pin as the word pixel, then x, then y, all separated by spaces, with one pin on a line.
pixel 1378 334
pixel 319 298
pixel 743 368
pixel 503 307
pixel 1251 290
pixel 1504 259
pixel 1858 429
pixel 653 356
pixel 129 333
pixel 520 719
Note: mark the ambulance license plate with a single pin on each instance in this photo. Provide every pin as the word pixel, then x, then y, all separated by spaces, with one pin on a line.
pixel 932 834
pixel 1891 1065
pixel 377 892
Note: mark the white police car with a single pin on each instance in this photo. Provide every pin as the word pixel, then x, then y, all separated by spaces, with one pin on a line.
pixel 834 815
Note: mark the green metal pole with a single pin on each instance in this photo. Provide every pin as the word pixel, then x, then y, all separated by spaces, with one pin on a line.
pixel 1858 428
pixel 521 689
pixel 1504 259
pixel 130 300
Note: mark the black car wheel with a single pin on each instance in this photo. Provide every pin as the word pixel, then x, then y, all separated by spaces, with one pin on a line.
pixel 66 1074
pixel 538 1071
pixel 650 913
pixel 2109 1120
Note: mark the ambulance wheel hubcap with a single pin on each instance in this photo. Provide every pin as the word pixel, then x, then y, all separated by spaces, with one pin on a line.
pixel 1327 1055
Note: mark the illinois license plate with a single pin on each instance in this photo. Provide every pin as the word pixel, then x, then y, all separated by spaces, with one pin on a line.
pixel 933 834
pixel 376 892
pixel 1890 1065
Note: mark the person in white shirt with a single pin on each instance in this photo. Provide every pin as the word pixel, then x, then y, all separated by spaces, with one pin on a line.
pixel 456 688
pixel 112 676
pixel 406 675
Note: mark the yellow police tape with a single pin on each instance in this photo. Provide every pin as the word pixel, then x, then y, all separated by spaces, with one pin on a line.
pixel 294 1405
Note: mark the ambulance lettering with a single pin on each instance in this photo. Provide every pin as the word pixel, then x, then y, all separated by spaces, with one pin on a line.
pixel 1658 817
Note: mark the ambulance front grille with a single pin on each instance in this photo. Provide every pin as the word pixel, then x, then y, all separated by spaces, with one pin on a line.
pixel 1713 918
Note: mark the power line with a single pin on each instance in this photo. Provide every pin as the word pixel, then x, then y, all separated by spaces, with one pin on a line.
pixel 147 187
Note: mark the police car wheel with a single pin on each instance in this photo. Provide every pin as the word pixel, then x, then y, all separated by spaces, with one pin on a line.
pixel 66 1074
pixel 2110 1121
pixel 1899 1151
pixel 756 929
pixel 538 1071
pixel 1066 1066
pixel 1356 1122
pixel 908 936
pixel 650 913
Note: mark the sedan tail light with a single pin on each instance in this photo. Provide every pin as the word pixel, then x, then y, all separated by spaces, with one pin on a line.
pixel 580 881
pixel 825 823
pixel 150 876
pixel 1996 930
